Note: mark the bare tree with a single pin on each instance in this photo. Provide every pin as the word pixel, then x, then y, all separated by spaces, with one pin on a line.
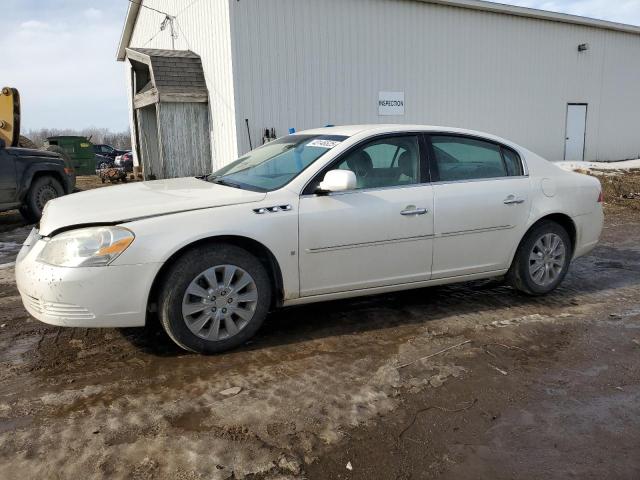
pixel 120 140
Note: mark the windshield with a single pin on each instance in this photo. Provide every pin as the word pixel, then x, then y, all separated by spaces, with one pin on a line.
pixel 275 164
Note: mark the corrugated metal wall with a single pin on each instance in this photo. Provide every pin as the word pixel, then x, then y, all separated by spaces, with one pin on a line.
pixel 203 27
pixel 307 63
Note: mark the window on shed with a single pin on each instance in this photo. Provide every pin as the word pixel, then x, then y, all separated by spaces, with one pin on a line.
pixel 142 76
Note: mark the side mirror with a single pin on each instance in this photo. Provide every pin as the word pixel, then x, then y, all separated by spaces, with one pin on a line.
pixel 338 181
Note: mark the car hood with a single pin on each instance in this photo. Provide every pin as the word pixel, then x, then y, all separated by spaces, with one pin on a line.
pixel 32 153
pixel 139 200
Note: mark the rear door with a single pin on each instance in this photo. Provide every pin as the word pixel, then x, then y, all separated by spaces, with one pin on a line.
pixel 481 204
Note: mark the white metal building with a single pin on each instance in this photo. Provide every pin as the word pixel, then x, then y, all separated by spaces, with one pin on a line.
pixel 560 85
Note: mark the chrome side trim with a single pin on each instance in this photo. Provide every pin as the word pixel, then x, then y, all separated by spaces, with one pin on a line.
pixel 367 244
pixel 477 230
pixel 475 180
pixel 365 190
pixel 407 239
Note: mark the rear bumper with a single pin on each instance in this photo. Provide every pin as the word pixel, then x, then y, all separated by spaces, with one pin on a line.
pixel 104 297
pixel 588 231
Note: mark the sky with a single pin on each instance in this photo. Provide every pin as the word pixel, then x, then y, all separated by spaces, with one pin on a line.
pixel 60 55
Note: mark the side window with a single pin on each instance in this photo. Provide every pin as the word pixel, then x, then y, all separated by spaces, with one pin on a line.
pixel 387 162
pixel 513 162
pixel 461 158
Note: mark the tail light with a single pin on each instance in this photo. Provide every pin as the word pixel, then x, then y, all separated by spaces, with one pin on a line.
pixel 68 170
pixel 601 197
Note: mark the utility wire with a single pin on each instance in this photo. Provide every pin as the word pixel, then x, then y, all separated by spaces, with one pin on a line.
pixel 168 19
pixel 187 7
pixel 149 8
pixel 151 39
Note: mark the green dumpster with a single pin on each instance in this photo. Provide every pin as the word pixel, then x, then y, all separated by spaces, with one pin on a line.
pixel 80 150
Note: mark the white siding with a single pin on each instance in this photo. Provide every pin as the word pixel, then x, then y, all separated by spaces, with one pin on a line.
pixel 204 28
pixel 307 63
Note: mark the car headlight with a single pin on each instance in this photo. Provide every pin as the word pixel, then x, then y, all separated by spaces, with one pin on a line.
pixel 86 247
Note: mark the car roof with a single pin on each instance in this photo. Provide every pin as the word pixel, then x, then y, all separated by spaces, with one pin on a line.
pixel 378 129
pixel 351 130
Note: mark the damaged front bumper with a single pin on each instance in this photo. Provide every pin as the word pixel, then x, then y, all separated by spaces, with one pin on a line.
pixel 88 297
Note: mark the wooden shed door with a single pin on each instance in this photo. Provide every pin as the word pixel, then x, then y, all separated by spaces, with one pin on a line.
pixel 149 142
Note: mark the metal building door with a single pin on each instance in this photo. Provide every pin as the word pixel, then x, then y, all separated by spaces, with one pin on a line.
pixel 576 132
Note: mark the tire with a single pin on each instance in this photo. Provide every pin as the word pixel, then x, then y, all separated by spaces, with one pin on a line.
pixel 190 320
pixel 536 269
pixel 42 190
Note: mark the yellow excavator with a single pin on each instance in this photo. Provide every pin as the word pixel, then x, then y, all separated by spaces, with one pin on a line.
pixel 10 119
pixel 10 116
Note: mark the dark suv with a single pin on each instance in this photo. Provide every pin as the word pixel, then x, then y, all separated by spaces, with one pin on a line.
pixel 107 151
pixel 30 178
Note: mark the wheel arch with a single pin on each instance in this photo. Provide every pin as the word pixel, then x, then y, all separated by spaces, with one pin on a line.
pixel 562 219
pixel 261 252
pixel 33 174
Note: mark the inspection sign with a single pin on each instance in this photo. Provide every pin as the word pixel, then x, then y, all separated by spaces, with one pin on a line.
pixel 391 103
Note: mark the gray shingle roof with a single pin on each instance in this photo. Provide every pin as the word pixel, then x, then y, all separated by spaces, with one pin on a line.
pixel 175 71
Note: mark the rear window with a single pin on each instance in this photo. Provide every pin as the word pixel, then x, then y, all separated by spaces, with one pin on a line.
pixel 513 162
pixel 464 158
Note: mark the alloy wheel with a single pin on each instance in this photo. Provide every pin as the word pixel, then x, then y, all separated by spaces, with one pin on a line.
pixel 220 302
pixel 547 259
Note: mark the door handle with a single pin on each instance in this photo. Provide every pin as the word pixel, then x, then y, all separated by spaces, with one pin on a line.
pixel 414 211
pixel 512 200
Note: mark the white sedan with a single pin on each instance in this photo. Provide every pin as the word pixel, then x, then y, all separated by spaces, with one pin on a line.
pixel 323 214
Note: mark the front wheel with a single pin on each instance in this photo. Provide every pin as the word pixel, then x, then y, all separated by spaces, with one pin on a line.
pixel 214 298
pixel 542 260
pixel 41 191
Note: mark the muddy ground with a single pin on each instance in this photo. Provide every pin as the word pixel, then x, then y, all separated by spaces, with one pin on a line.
pixel 360 389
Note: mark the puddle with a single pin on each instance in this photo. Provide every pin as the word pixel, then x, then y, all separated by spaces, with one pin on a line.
pixel 13 352
pixel 10 424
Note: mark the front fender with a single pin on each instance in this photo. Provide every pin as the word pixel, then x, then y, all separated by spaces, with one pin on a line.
pixel 159 238
pixel 27 172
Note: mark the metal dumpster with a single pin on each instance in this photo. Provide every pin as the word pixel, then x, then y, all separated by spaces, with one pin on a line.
pixel 80 149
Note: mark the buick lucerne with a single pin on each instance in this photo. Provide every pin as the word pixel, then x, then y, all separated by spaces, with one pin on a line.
pixel 319 215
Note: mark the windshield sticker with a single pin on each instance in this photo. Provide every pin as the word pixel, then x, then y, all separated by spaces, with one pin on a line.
pixel 323 143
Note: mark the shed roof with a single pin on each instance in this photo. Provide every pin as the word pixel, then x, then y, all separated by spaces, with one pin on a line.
pixel 175 75
pixel 173 71
pixel 134 9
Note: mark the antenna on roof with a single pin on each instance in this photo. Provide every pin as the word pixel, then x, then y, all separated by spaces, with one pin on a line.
pixel 169 19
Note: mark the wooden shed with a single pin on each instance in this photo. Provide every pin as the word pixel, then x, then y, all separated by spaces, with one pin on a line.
pixel 171 112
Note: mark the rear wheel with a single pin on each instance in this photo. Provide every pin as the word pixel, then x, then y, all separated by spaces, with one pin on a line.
pixel 214 298
pixel 542 260
pixel 42 190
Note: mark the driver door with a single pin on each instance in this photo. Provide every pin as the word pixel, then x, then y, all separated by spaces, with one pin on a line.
pixel 379 234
